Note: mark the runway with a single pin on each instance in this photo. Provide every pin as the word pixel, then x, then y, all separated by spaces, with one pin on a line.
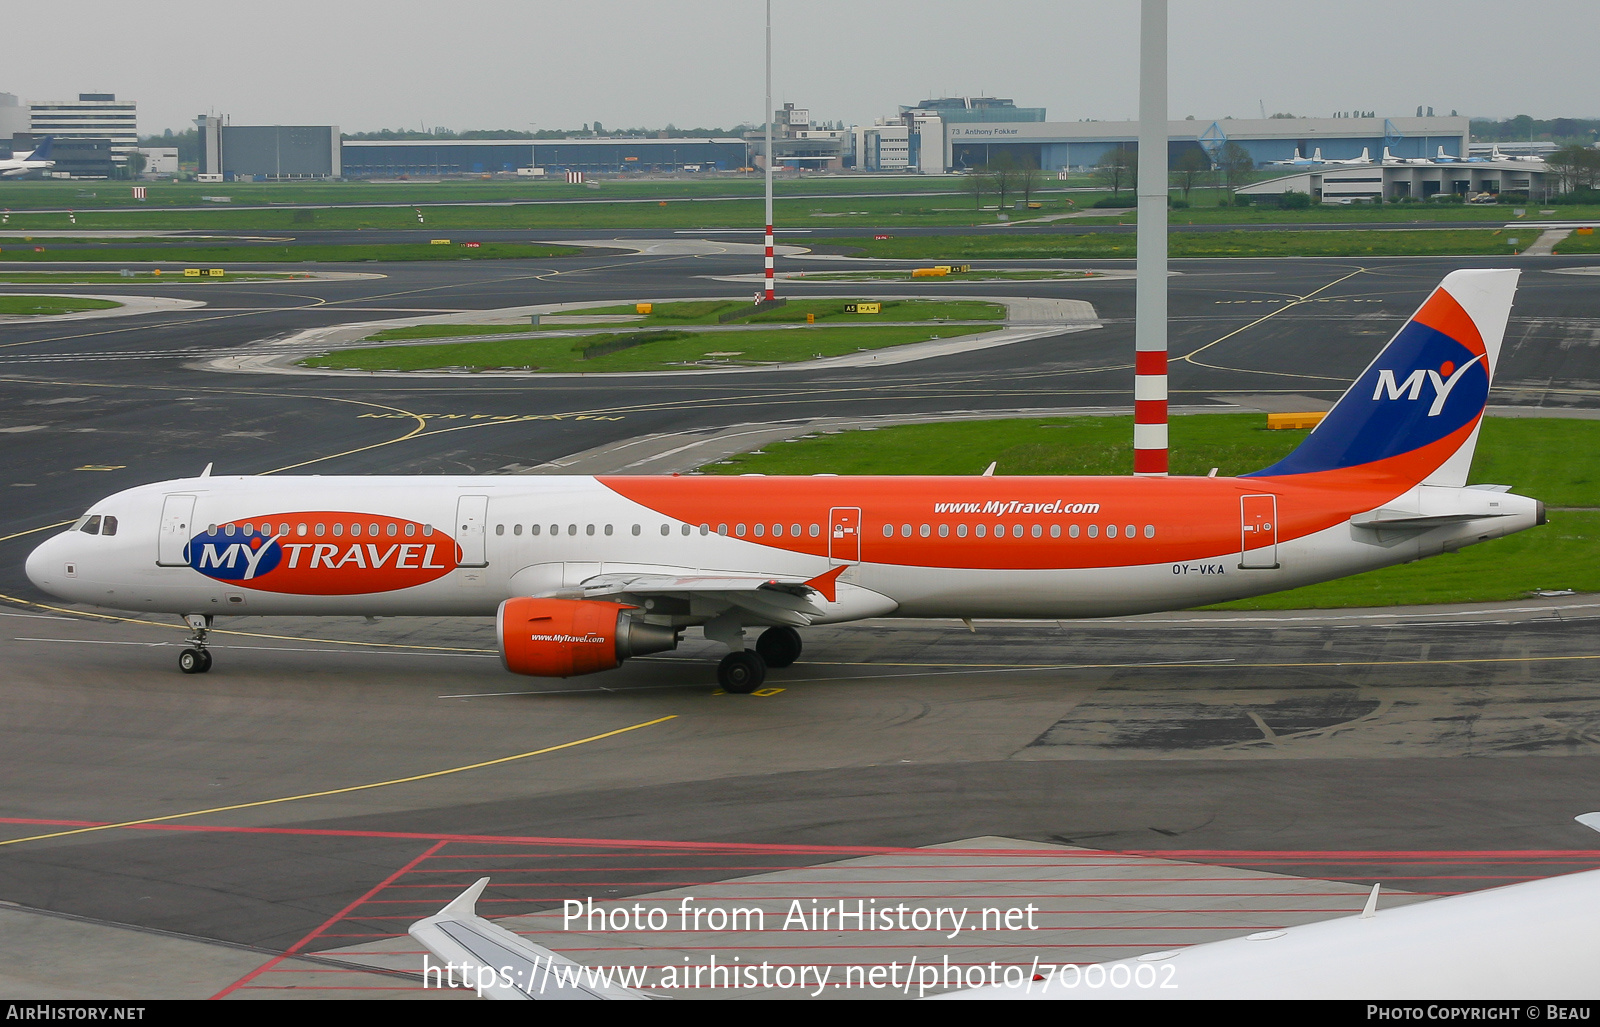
pixel 139 796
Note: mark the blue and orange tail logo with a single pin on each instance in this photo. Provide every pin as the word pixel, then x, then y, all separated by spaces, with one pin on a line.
pixel 1420 401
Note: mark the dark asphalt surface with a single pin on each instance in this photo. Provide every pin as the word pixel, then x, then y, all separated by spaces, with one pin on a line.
pixel 893 736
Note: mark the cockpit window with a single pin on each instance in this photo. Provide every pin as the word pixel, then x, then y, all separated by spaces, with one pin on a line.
pixel 108 526
pixel 91 526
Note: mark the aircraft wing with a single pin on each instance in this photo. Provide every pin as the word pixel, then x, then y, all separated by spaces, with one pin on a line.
pixel 501 965
pixel 781 600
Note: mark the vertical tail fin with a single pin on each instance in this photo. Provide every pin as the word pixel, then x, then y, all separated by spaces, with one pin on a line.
pixel 1414 413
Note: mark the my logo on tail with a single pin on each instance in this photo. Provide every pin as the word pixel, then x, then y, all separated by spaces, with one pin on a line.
pixel 1413 384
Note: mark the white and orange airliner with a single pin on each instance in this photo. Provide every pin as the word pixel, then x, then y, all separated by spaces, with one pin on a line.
pixel 584 572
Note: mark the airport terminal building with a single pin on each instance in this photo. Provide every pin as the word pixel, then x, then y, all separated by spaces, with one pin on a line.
pixel 1080 145
pixel 386 158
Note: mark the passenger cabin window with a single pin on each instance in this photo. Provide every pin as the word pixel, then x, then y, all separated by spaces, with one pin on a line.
pixel 516 529
pixel 499 529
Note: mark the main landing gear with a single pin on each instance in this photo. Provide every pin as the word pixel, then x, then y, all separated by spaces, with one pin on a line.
pixel 742 671
pixel 780 647
pixel 197 658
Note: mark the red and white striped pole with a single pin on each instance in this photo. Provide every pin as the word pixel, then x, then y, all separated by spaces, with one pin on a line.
pixel 1150 301
pixel 771 293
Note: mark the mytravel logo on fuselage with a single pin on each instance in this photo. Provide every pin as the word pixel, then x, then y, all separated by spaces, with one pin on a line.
pixel 323 553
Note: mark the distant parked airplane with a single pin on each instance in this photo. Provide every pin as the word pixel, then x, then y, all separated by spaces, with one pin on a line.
pixel 1389 158
pixel 1298 161
pixel 1450 158
pixel 1365 158
pixel 38 160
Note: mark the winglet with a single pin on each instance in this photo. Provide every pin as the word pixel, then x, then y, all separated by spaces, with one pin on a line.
pixel 1371 908
pixel 466 904
pixel 1589 820
pixel 826 583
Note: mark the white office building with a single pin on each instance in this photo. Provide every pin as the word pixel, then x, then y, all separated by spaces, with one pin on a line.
pixel 160 161
pixel 13 118
pixel 90 116
pixel 885 146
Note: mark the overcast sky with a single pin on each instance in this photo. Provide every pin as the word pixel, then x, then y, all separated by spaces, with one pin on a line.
pixel 371 64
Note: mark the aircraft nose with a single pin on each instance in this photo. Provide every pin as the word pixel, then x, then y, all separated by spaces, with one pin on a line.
pixel 41 566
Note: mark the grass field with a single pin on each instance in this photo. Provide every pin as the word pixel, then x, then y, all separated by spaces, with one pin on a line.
pixel 706 312
pixel 141 277
pixel 268 254
pixel 831 309
pixel 1575 244
pixel 635 350
pixel 38 306
pixel 1285 243
pixel 589 212
pixel 1555 460
pixel 71 195
pixel 982 275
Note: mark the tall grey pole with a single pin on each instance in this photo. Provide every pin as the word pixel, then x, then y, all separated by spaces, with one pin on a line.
pixel 770 293
pixel 1150 305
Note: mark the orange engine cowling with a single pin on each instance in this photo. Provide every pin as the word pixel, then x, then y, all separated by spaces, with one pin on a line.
pixel 561 638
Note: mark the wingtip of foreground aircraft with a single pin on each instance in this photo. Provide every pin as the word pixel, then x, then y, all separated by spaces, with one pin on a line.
pixel 1534 940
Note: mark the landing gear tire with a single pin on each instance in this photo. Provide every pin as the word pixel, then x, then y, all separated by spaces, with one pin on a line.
pixel 194 661
pixel 741 672
pixel 780 647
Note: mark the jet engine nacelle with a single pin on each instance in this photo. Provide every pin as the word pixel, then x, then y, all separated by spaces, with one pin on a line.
pixel 561 638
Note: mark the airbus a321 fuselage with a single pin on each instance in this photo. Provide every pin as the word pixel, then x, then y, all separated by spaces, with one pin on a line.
pixel 584 572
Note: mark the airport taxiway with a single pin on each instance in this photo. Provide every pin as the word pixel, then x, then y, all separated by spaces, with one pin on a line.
pixel 333 754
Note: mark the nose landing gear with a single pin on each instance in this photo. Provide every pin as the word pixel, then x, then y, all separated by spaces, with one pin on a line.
pixel 196 659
